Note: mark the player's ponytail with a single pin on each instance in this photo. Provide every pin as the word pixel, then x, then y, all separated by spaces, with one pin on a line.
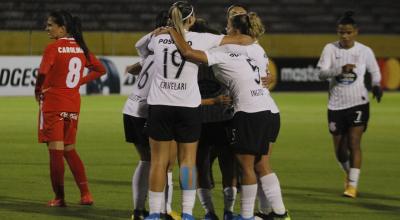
pixel 257 28
pixel 76 32
pixel 72 26
pixel 241 22
pixel 179 14
pixel 347 18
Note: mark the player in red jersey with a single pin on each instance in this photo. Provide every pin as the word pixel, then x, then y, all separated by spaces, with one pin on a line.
pixel 57 91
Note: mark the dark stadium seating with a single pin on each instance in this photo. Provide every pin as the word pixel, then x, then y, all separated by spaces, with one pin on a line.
pixel 283 16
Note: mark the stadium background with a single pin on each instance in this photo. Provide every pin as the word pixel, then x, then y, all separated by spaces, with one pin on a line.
pixel 297 30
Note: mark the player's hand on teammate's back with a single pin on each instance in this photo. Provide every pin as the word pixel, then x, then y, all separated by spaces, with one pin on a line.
pixel 266 81
pixel 161 30
pixel 377 93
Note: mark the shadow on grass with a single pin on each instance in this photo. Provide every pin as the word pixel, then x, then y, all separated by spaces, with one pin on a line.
pixel 30 207
pixel 109 182
pixel 372 201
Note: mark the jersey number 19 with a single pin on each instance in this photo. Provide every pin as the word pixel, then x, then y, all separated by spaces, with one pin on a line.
pixel 174 62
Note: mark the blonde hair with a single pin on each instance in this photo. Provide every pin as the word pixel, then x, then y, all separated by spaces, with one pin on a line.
pixel 257 28
pixel 176 13
pixel 176 20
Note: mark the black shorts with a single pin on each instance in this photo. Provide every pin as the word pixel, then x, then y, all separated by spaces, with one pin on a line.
pixel 275 127
pixel 135 130
pixel 215 133
pixel 166 123
pixel 250 132
pixel 341 120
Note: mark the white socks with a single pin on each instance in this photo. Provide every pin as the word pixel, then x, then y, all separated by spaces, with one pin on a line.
pixel 247 200
pixel 156 201
pixel 229 198
pixel 188 200
pixel 272 190
pixel 354 174
pixel 263 205
pixel 140 184
pixel 205 197
pixel 170 190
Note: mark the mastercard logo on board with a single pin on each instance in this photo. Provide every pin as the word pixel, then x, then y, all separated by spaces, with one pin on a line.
pixel 390 70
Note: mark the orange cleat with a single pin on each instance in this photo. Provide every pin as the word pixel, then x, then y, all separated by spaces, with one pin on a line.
pixel 86 200
pixel 57 203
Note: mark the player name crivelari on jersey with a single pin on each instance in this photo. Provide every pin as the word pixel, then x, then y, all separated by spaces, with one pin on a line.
pixel 173 85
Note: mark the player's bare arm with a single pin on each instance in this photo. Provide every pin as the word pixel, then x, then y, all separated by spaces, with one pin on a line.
pixel 185 49
pixel 133 69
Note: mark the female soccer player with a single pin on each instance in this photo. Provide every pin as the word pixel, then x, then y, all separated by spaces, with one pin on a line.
pixel 135 114
pixel 174 100
pixel 57 91
pixel 344 64
pixel 214 140
pixel 269 191
pixel 252 117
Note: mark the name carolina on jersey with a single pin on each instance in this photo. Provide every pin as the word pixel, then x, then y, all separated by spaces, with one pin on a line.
pixel 70 50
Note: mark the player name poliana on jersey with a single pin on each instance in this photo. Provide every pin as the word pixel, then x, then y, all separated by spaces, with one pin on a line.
pixel 70 50
pixel 173 85
pixel 257 92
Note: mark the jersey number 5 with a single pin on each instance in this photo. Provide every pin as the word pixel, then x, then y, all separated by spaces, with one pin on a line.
pixel 255 69
pixel 74 72
pixel 174 62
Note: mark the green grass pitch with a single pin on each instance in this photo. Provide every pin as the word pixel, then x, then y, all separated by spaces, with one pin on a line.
pixel 303 158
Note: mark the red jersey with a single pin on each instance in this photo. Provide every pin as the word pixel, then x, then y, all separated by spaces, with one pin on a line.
pixel 62 64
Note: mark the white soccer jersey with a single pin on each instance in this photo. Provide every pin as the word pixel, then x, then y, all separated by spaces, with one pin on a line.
pixel 348 90
pixel 242 77
pixel 256 53
pixel 136 104
pixel 141 46
pixel 175 80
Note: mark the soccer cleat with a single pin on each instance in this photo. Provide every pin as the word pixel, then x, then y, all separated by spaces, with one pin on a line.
pixel 228 215
pixel 172 215
pixel 154 216
pixel 186 216
pixel 260 215
pixel 284 216
pixel 211 216
pixel 350 191
pixel 57 203
pixel 86 200
pixel 139 214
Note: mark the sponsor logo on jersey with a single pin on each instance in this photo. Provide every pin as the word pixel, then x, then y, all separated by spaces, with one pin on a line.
pixel 135 98
pixel 257 92
pixel 346 78
pixel 170 41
